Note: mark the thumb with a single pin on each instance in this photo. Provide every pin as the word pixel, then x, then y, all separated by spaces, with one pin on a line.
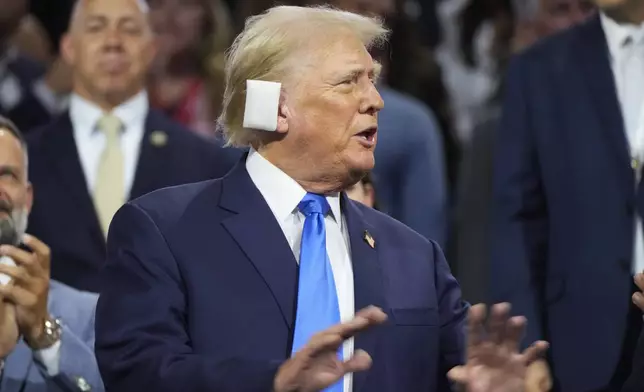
pixel 360 361
pixel 457 374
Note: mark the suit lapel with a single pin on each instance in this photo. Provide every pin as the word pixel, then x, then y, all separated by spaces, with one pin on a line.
pixel 63 157
pixel 594 60
pixel 154 157
pixel 260 237
pixel 367 276
pixel 16 368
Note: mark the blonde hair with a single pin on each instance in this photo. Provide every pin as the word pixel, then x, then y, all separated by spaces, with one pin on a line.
pixel 268 46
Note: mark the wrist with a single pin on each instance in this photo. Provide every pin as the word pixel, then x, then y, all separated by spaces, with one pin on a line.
pixel 44 334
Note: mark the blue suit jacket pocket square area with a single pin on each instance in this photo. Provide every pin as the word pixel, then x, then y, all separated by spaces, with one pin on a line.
pixel 415 316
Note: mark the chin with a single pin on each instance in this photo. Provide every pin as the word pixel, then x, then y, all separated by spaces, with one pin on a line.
pixel 363 162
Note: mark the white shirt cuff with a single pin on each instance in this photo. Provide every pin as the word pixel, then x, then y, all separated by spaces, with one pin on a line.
pixel 49 358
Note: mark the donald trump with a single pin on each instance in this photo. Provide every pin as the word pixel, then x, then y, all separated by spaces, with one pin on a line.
pixel 271 279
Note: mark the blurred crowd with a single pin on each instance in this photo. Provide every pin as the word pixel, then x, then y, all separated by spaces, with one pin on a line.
pixel 510 136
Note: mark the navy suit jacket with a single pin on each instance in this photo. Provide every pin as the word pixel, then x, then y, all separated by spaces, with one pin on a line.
pixel 565 199
pixel 63 215
pixel 635 382
pixel 203 290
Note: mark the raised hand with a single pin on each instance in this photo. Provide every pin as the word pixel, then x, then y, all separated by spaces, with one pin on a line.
pixel 316 366
pixel 29 288
pixel 494 363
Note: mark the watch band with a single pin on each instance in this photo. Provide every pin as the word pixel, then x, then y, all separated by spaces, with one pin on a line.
pixel 52 330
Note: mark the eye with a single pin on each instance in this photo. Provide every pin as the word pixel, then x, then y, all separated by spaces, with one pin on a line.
pixel 132 28
pixel 94 27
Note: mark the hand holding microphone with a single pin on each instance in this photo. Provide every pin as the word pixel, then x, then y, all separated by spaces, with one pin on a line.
pixel 28 287
pixel 24 281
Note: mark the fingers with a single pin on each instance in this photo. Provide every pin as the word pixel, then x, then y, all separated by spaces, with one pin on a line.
pixel 21 257
pixel 18 274
pixel 514 333
pixel 639 280
pixel 360 361
pixel 638 299
pixel 18 295
pixel 332 338
pixel 373 313
pixel 498 322
pixel 475 326
pixel 535 351
pixel 39 248
pixel 363 320
pixel 321 342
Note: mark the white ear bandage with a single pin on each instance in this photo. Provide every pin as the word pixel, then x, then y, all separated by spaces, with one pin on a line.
pixel 262 105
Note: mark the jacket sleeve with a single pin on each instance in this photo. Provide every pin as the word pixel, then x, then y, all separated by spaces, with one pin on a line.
pixel 519 213
pixel 142 341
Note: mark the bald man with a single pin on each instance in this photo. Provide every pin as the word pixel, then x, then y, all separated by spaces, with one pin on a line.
pixel 110 146
pixel 46 328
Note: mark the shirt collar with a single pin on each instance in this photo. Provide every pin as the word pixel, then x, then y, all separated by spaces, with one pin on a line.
pixel 617 34
pixel 85 114
pixel 281 192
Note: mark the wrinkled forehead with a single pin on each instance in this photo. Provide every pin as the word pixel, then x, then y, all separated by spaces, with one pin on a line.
pixel 338 54
pixel 11 149
pixel 133 7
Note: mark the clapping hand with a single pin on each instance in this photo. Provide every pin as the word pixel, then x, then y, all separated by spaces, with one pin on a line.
pixel 316 366
pixel 29 288
pixel 494 363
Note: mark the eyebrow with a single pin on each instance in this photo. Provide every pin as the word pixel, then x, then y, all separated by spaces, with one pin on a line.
pixel 9 169
pixel 103 19
pixel 375 72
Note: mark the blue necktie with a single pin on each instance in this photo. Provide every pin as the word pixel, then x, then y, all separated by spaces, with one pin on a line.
pixel 317 299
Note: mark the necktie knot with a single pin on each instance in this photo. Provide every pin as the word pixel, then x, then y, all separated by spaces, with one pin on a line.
pixel 111 126
pixel 313 203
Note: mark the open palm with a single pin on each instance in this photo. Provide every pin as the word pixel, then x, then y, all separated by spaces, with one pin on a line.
pixel 494 363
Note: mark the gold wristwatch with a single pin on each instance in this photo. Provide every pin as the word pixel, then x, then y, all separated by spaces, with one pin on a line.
pixel 52 329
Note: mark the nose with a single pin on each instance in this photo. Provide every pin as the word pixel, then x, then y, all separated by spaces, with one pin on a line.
pixel 373 102
pixel 113 39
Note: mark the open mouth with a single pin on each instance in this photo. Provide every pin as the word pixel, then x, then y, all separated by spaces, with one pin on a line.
pixel 368 134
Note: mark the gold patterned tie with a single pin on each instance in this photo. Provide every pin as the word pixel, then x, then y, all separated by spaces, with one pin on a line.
pixel 109 192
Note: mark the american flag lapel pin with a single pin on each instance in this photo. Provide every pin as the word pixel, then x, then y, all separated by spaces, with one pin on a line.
pixel 369 239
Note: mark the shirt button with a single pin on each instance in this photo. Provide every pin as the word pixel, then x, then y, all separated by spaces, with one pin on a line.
pixel 634 164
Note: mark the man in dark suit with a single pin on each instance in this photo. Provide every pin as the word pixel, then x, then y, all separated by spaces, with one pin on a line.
pixel 568 196
pixel 271 279
pixel 470 240
pixel 110 146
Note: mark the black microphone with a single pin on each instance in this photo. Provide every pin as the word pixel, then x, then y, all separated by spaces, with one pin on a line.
pixel 8 236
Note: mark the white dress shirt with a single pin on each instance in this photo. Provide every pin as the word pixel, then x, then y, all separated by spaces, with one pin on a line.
pixel 283 194
pixel 49 358
pixel 90 141
pixel 626 49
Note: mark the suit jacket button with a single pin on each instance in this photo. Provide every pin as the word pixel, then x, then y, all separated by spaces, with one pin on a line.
pixel 625 264
pixel 83 385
